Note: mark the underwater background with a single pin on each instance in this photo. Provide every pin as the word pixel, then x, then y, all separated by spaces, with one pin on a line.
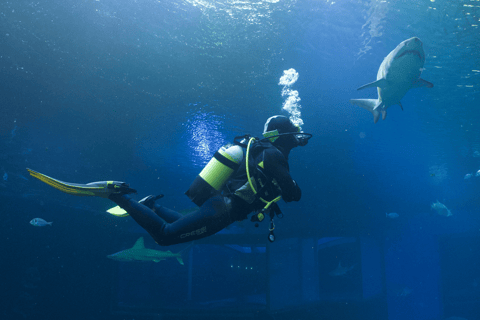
pixel 146 91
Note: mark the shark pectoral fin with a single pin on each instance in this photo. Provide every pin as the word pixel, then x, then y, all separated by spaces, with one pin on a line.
pixel 422 83
pixel 370 105
pixel 381 83
pixel 384 114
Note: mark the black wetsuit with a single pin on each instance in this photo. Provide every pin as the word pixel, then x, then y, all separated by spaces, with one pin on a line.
pixel 168 227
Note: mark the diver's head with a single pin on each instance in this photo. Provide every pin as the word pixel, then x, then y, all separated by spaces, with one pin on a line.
pixel 282 132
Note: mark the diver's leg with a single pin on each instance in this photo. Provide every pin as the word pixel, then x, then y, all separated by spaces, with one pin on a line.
pixel 166 214
pixel 212 217
pixel 142 214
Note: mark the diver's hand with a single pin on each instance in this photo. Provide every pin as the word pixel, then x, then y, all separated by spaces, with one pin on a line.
pixel 149 201
pixel 106 188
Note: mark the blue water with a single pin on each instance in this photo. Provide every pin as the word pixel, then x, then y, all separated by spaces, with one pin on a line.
pixel 146 91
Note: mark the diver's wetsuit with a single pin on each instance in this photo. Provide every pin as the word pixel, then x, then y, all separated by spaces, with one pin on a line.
pixel 168 227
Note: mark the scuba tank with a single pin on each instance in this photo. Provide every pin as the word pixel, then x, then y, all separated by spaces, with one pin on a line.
pixel 215 174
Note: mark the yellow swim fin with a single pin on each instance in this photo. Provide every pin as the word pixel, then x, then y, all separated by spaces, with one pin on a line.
pixel 149 201
pixel 94 189
pixel 117 211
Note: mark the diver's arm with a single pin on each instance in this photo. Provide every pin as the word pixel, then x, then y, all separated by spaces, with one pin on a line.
pixel 276 166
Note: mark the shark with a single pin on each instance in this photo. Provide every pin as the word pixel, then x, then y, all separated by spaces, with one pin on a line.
pixel 139 253
pixel 340 271
pixel 399 72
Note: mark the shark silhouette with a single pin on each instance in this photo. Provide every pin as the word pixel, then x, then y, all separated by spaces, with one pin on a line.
pixel 340 271
pixel 399 72
pixel 139 253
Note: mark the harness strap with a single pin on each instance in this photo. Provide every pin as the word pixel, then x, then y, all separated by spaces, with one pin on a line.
pixel 267 203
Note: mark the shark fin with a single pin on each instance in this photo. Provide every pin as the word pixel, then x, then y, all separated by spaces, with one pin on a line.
pixel 422 83
pixel 180 260
pixel 384 114
pixel 380 83
pixel 139 244
pixel 378 105
pixel 370 105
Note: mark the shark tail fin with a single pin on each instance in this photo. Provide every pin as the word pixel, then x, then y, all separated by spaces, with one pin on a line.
pixel 181 252
pixel 370 105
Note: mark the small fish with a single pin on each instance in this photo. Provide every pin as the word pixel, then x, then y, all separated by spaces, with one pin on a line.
pixel 441 209
pixel 467 176
pixel 39 222
pixel 432 174
pixel 392 215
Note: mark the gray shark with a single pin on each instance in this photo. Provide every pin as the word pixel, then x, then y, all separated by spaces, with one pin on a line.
pixel 399 72
pixel 340 271
pixel 139 253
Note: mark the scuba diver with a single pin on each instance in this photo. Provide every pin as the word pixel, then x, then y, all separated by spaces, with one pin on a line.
pixel 251 175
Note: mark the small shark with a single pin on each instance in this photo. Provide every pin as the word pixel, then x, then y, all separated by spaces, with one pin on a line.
pixel 340 271
pixel 139 253
pixel 399 72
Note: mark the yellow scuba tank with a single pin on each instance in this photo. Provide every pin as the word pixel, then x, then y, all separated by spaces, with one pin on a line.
pixel 215 174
